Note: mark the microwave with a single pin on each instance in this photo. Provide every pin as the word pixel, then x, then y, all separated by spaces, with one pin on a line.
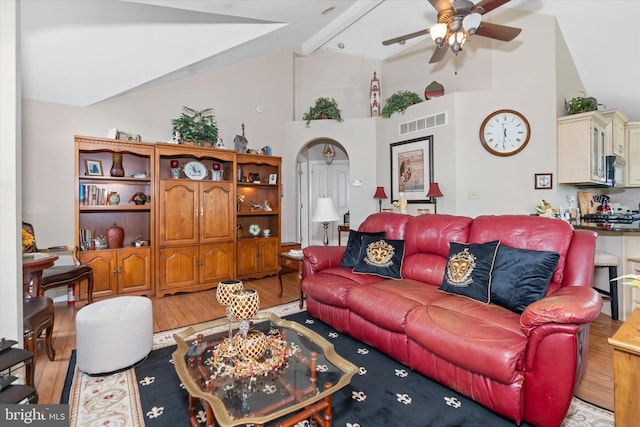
pixel 614 171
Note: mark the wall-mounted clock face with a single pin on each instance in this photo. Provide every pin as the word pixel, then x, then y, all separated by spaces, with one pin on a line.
pixel 505 132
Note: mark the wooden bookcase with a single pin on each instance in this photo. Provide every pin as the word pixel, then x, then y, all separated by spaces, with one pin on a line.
pixel 126 270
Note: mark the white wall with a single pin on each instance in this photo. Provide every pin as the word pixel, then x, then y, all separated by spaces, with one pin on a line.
pixel 10 168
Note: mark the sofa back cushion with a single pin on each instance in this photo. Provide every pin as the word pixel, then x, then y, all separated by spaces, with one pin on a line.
pixel 427 240
pixel 526 232
pixel 392 223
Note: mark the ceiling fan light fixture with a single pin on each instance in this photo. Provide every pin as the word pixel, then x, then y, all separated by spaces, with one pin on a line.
pixel 457 40
pixel 438 32
pixel 471 22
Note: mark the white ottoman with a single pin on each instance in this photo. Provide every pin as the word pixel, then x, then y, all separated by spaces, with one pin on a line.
pixel 113 334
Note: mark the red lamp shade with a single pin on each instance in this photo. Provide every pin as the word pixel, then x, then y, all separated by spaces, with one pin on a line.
pixel 434 190
pixel 380 194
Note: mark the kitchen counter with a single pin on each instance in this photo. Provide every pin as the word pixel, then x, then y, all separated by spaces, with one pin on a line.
pixel 609 227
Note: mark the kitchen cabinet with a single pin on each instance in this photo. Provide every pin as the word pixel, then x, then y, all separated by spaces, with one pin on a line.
pixel 119 271
pixel 259 195
pixel 258 257
pixel 614 132
pixel 196 220
pixel 126 270
pixel 582 148
pixel 632 142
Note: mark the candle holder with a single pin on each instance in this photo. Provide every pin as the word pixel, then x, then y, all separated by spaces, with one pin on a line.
pixel 224 294
pixel 244 305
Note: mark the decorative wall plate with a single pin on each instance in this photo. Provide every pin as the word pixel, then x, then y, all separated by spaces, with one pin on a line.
pixel 254 230
pixel 195 170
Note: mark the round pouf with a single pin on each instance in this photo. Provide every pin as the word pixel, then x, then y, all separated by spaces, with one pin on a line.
pixel 113 334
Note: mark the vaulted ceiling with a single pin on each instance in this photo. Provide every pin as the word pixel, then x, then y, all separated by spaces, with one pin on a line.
pixel 82 52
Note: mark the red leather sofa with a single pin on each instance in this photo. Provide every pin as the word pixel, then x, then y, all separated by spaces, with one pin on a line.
pixel 522 366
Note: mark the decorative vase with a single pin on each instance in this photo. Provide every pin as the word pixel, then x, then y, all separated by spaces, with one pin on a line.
pixel 115 236
pixel 116 167
pixel 113 198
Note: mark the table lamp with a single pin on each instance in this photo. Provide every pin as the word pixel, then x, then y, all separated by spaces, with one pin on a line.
pixel 434 191
pixel 325 213
pixel 380 194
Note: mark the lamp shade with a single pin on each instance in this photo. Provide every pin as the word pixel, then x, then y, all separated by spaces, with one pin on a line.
pixel 325 211
pixel 434 190
pixel 380 194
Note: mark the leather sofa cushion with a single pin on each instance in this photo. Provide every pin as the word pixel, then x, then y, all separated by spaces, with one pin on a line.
pixel 331 286
pixel 392 223
pixel 387 304
pixel 431 234
pixel 483 338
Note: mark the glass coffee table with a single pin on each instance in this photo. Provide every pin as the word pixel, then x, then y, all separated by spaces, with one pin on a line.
pixel 293 380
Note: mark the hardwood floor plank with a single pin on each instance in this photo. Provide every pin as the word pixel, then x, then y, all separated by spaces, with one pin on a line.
pixel 181 310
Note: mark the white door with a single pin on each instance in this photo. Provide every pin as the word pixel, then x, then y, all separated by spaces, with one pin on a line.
pixel 327 181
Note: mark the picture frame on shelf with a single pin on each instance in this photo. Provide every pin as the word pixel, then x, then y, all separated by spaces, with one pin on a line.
pixel 273 178
pixel 93 167
pixel 411 169
pixel 543 181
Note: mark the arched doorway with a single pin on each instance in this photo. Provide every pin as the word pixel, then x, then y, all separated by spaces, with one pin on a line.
pixel 321 175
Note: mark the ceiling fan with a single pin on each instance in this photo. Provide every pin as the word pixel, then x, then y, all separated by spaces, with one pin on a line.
pixel 458 20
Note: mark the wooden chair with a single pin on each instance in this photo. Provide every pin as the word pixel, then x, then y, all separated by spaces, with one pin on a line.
pixel 61 275
pixel 37 316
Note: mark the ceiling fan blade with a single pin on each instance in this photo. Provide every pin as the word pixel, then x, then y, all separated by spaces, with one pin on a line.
pixel 439 53
pixel 405 37
pixel 485 6
pixel 497 31
pixel 441 5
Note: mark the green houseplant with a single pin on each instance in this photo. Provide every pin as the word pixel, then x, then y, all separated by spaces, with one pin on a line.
pixel 581 104
pixel 197 126
pixel 324 108
pixel 399 102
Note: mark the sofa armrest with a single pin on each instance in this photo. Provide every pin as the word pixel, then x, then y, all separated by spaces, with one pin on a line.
pixel 318 258
pixel 568 305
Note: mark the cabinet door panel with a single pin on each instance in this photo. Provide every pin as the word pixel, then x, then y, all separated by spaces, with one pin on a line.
pixel 217 202
pixel 134 269
pixel 178 212
pixel 268 259
pixel 247 256
pixel 216 262
pixel 105 271
pixel 177 267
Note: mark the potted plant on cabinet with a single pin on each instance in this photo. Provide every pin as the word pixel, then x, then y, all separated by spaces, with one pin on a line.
pixel 581 104
pixel 195 126
pixel 399 102
pixel 324 108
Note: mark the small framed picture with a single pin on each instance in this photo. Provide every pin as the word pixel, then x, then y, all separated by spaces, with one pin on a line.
pixel 543 181
pixel 273 178
pixel 93 167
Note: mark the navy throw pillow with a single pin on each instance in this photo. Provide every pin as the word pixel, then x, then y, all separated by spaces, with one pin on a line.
pixel 352 254
pixel 521 276
pixel 469 268
pixel 381 257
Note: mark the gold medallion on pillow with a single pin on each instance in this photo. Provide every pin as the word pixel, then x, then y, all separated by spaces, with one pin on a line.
pixel 379 254
pixel 460 268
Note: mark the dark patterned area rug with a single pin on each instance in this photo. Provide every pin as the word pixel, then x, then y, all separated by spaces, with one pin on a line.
pixel 384 392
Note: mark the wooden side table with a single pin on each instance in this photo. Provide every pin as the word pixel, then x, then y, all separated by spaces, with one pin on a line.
pixel 341 229
pixel 290 263
pixel 626 371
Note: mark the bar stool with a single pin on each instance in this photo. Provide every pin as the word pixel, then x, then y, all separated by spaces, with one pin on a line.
pixel 610 261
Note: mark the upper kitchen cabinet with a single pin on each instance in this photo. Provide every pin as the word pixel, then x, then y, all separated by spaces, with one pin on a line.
pixel 582 148
pixel 614 132
pixel 632 138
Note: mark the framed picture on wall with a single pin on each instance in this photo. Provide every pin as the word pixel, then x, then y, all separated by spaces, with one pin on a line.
pixel 543 181
pixel 411 169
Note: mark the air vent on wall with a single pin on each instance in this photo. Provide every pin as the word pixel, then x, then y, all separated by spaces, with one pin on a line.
pixel 423 123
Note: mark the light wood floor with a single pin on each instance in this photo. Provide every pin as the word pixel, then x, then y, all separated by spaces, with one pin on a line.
pixel 185 309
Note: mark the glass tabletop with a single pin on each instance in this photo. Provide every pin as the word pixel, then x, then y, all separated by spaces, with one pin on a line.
pixel 298 368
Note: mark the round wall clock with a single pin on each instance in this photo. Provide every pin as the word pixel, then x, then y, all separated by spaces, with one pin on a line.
pixel 195 170
pixel 505 132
